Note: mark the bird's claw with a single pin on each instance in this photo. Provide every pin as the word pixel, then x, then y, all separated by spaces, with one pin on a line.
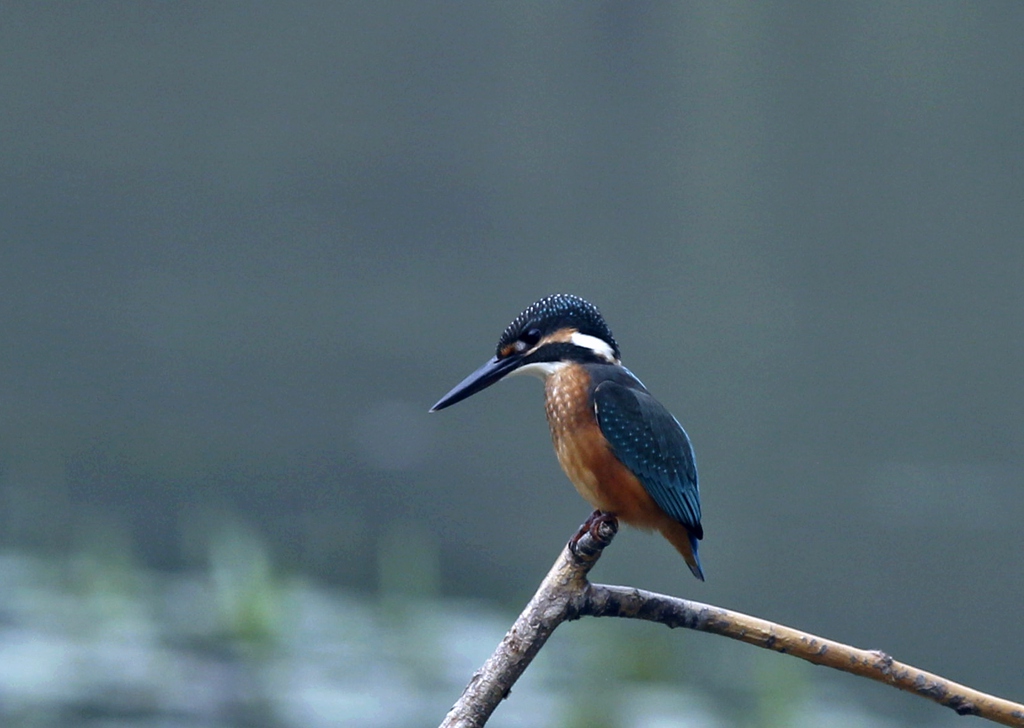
pixel 592 526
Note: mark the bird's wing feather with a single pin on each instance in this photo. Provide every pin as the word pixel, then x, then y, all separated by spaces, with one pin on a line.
pixel 649 441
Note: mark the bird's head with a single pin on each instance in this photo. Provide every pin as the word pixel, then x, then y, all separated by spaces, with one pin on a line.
pixel 555 331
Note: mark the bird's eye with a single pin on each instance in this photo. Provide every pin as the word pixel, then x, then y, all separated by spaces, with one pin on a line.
pixel 526 340
pixel 531 337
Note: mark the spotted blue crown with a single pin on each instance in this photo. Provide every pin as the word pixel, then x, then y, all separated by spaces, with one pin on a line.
pixel 559 311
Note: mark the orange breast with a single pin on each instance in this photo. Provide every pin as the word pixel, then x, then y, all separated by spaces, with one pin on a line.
pixel 586 458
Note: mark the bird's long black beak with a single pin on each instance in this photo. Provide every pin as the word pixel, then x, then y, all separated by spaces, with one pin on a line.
pixel 482 378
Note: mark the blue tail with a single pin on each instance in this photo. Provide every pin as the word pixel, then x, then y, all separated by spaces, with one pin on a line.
pixel 695 567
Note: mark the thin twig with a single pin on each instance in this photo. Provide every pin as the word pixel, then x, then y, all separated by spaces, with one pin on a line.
pixel 617 601
pixel 565 594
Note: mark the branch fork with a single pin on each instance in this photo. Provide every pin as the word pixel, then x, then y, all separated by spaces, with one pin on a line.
pixel 566 594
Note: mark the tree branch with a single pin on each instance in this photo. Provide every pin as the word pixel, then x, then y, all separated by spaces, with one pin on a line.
pixel 565 594
pixel 556 600
pixel 617 601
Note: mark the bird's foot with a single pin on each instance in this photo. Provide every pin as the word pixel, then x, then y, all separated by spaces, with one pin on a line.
pixel 592 526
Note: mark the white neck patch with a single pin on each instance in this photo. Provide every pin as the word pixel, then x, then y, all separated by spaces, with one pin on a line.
pixel 596 345
pixel 542 369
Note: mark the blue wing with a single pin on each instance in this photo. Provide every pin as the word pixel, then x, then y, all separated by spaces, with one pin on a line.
pixel 649 441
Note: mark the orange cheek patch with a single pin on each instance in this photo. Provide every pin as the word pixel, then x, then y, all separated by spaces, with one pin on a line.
pixel 559 337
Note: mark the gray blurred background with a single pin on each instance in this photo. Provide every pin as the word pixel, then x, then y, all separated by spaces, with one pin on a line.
pixel 243 249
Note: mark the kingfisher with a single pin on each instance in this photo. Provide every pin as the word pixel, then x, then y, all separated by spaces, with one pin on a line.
pixel 622 449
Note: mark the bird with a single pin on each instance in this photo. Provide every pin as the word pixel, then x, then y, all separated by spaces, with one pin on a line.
pixel 622 449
